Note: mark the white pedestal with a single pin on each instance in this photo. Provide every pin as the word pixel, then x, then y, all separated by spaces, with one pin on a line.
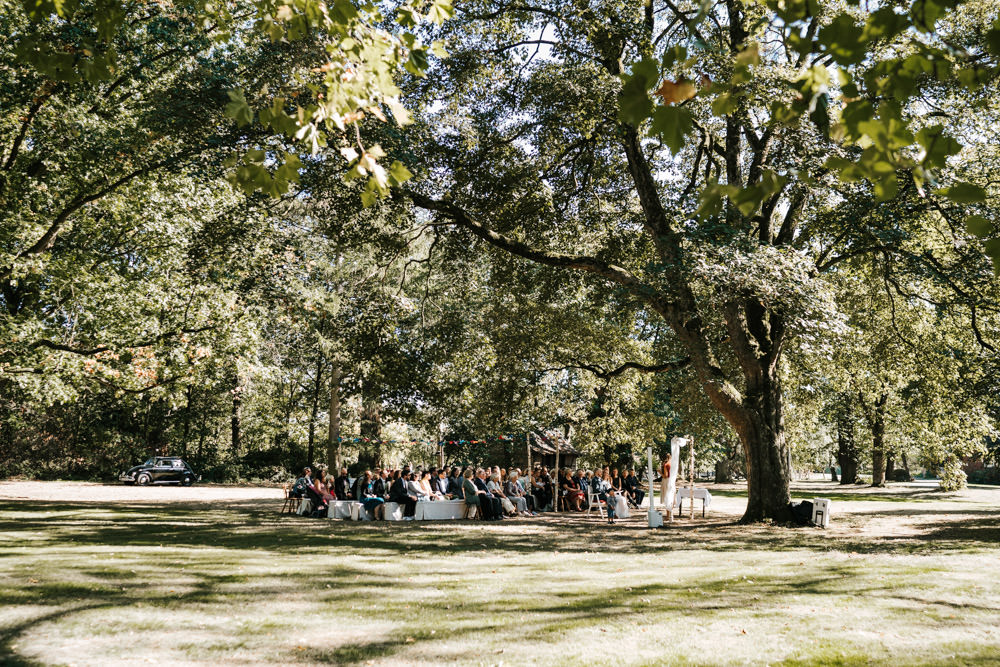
pixel 655 519
pixel 821 512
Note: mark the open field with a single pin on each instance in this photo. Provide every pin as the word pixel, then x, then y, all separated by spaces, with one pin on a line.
pixel 97 575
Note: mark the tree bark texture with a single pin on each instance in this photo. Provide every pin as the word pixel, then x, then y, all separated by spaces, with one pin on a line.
pixel 314 409
pixel 847 450
pixel 334 458
pixel 235 422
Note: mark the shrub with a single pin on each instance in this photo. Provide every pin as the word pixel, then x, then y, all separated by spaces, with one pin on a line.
pixel 985 476
pixel 952 476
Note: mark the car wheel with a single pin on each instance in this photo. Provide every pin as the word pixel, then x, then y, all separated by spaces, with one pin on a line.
pixel 187 481
pixel 142 480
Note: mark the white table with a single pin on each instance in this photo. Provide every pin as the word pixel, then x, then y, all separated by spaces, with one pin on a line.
pixel 344 509
pixel 440 509
pixel 699 494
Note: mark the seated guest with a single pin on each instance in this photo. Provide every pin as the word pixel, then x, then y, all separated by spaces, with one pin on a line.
pixel 440 484
pixel 298 489
pixel 570 490
pixel 471 494
pixel 413 485
pixel 488 503
pixel 318 504
pixel 398 493
pixel 455 487
pixel 359 484
pixel 633 488
pixel 342 486
pixel 538 490
pixel 373 502
pixel 380 486
pixel 616 481
pixel 426 487
pixel 495 486
pixel 515 493
pixel 600 487
pixel 321 485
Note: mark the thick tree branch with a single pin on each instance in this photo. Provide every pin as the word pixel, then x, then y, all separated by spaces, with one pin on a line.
pixel 585 263
pixel 87 352
pixel 44 95
pixel 677 364
pixel 47 239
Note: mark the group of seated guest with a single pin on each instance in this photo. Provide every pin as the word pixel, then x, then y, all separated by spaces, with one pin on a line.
pixel 575 488
pixel 498 493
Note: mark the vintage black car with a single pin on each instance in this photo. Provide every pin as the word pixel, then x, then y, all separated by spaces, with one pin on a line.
pixel 161 470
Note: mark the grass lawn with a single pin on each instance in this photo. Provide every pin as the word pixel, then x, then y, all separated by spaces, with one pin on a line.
pixel 903 576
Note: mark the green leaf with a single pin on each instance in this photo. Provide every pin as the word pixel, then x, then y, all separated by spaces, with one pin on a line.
pixel 964 193
pixel 937 146
pixel 887 188
pixel 399 173
pixel 672 124
pixel 993 250
pixel 993 38
pixel 820 115
pixel 724 104
pixel 440 11
pixel 979 226
pixel 255 155
pixel 884 23
pixel 748 56
pixel 238 108
pixel 842 40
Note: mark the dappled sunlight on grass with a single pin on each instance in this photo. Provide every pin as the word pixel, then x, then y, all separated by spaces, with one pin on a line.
pixel 93 583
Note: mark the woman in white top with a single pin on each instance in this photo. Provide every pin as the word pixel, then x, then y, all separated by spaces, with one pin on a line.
pixel 413 487
pixel 494 487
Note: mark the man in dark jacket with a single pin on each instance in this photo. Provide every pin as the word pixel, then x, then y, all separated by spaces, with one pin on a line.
pixel 342 486
pixel 490 504
pixel 633 489
pixel 380 487
pixel 440 483
pixel 398 494
pixel 455 484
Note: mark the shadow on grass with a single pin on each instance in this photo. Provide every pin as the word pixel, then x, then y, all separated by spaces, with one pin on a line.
pixel 217 538
pixel 251 525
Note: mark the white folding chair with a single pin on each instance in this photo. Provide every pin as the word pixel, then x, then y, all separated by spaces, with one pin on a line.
pixel 593 500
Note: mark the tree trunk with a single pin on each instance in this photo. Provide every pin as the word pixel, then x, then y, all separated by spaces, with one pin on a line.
pixel 314 410
pixel 847 450
pixel 722 472
pixel 833 473
pixel 371 420
pixel 890 466
pixel 188 409
pixel 763 437
pixel 878 441
pixel 334 458
pixel 235 422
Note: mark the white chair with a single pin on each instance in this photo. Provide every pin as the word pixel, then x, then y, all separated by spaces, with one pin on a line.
pixel 593 500
pixel 393 512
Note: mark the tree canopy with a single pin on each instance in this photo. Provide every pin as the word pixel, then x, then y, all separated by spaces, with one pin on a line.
pixel 288 232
